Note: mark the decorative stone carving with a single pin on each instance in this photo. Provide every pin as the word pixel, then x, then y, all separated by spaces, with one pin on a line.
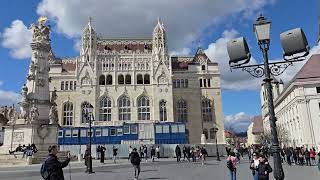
pixel 41 82
pixel 53 115
pixel 43 131
pixel 40 33
pixel 18 137
pixel 34 112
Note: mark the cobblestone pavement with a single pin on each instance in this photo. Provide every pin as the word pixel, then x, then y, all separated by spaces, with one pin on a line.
pixel 164 169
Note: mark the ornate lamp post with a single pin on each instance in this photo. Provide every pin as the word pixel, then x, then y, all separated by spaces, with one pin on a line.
pixel 215 129
pixel 295 47
pixel 88 112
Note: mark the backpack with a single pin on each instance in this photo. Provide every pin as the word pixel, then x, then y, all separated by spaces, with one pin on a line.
pixel 230 165
pixel 44 171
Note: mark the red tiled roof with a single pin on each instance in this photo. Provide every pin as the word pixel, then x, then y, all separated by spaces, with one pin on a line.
pixel 310 70
pixel 68 66
pixel 257 125
pixel 125 45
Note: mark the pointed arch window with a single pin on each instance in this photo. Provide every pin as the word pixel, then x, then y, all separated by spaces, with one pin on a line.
pixel 128 79
pixel 146 79
pixel 205 132
pixel 139 79
pixel 109 80
pixel 212 133
pixel 182 111
pixel 143 108
pixel 206 107
pixel 105 109
pixel 84 118
pixel 67 114
pixel 120 79
pixel 102 80
pixel 124 108
pixel 163 110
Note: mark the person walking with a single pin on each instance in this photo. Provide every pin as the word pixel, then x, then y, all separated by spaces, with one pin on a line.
pixel 98 150
pixel 153 153
pixel 114 153
pixel 53 166
pixel 184 151
pixel 135 161
pixel 307 157
pixel 319 161
pixel 158 152
pixel 87 158
pixel 141 151
pixel 145 153
pixel 232 165
pixel 288 155
pixel 130 151
pixel 203 154
pixel 254 166
pixel 178 153
pixel 264 168
pixel 102 154
pixel 313 156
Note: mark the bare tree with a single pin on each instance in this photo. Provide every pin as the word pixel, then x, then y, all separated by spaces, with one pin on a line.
pixel 283 136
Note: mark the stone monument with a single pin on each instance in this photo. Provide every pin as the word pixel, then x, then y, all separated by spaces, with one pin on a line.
pixel 37 121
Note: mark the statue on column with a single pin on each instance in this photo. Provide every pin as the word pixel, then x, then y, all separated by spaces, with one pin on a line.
pixel 24 104
pixel 34 112
pixel 53 114
pixel 40 31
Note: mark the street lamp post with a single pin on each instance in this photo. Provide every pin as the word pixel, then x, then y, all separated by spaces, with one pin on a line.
pixel 295 46
pixel 215 129
pixel 89 117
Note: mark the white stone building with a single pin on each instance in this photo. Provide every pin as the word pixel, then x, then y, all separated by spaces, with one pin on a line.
pixel 297 106
pixel 135 80
pixel 255 129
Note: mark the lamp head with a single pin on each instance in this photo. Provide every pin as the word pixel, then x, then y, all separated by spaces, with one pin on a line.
pixel 262 30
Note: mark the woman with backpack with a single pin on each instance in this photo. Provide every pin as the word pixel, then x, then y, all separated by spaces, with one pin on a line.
pixel 264 168
pixel 232 165
pixel 135 161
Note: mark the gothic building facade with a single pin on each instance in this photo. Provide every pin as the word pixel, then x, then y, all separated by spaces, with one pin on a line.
pixel 135 80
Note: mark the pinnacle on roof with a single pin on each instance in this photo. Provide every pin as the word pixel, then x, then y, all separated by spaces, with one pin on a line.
pixel 159 27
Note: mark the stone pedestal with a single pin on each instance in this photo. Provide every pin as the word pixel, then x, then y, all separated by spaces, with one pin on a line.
pixel 40 135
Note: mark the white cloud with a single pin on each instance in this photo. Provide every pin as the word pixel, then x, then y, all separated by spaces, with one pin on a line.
pixel 17 39
pixel 8 97
pixel 237 122
pixel 184 19
pixel 181 52
pixel 237 79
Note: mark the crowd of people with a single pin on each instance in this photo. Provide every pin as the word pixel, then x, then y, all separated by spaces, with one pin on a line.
pixel 258 159
pixel 28 150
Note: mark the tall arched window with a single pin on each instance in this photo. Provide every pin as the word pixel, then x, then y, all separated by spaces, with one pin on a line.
pixel 203 67
pixel 212 133
pixel 109 79
pixel 205 132
pixel 102 80
pixel 128 79
pixel 182 111
pixel 67 114
pixel 62 85
pixel 146 79
pixel 124 108
pixel 105 109
pixel 143 108
pixel 206 107
pixel 84 118
pixel 139 79
pixel 163 110
pixel 120 79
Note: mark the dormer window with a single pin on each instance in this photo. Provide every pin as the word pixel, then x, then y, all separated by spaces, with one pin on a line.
pixel 203 67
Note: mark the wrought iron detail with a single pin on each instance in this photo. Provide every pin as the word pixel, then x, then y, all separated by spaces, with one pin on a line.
pixel 256 71
pixel 277 69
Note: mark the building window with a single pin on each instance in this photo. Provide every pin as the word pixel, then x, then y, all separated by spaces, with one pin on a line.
pixel 203 67
pixel 163 110
pixel 75 85
pixel 84 118
pixel 143 108
pixel 71 85
pixel 67 114
pixel 105 109
pixel 206 110
pixel 204 82
pixel 200 80
pixel 128 79
pixel 205 132
pixel 178 83
pixel 185 83
pixel 174 83
pixel 66 87
pixel 146 79
pixel 62 85
pixel 209 84
pixel 182 111
pixel 124 108
pixel 109 79
pixel 318 89
pixel 139 79
pixel 102 80
pixel 120 79
pixel 113 132
pixel 212 133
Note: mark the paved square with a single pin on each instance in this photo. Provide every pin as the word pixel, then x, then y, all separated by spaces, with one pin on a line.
pixel 164 169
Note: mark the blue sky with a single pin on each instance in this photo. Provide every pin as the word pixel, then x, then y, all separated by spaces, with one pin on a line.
pixel 211 22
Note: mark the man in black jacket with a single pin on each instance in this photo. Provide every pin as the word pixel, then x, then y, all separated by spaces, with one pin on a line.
pixel 264 168
pixel 53 165
pixel 135 161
